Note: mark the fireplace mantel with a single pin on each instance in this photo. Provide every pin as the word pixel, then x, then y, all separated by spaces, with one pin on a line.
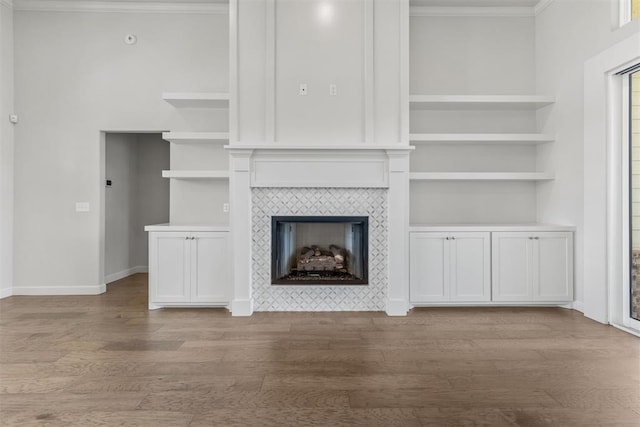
pixel 335 168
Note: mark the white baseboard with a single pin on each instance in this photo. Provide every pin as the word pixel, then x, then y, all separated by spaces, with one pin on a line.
pixel 6 292
pixel 398 307
pixel 579 306
pixel 60 290
pixel 242 307
pixel 125 273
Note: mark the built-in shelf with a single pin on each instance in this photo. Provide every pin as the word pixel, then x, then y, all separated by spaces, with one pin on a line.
pixel 197 99
pixel 197 137
pixel 494 138
pixel 481 176
pixel 196 174
pixel 483 102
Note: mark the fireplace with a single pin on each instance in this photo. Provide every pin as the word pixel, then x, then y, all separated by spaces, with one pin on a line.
pixel 319 250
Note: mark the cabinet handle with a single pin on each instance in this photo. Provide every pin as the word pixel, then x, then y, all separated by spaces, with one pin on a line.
pixel 536 238
pixel 186 238
pixel 447 238
pixel 453 238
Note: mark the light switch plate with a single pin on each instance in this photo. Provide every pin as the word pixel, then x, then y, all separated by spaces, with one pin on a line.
pixel 83 207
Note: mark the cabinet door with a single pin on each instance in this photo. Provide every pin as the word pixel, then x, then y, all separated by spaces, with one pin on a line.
pixel 169 274
pixel 511 261
pixel 553 266
pixel 210 265
pixel 429 267
pixel 470 266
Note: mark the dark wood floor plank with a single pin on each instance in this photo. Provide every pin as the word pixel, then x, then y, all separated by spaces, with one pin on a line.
pixel 301 417
pixel 108 360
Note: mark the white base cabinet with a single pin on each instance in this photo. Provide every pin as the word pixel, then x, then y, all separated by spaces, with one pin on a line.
pixel 487 266
pixel 450 267
pixel 189 268
pixel 532 266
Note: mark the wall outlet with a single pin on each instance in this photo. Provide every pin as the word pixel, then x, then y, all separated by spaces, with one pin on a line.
pixel 225 207
pixel 303 89
pixel 333 89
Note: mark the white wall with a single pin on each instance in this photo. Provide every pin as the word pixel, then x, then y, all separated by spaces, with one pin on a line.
pixel 74 78
pixel 569 32
pixel 137 197
pixel 6 150
pixel 285 43
pixel 320 43
pixel 488 55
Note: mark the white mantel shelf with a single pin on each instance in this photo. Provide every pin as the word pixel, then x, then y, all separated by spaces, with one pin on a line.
pixel 532 227
pixel 197 99
pixel 186 227
pixel 282 147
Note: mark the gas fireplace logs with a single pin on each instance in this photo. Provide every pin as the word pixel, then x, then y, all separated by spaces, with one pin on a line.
pixel 318 259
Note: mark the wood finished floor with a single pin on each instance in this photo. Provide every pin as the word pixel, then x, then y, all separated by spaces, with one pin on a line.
pixel 106 360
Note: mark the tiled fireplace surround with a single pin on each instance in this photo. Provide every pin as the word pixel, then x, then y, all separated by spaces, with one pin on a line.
pixel 367 181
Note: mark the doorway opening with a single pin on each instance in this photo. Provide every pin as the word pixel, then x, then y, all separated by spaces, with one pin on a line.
pixel 135 195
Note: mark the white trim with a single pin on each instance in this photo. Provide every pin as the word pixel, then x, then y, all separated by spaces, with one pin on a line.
pixel 7 292
pixel 9 4
pixel 233 71
pixel 118 6
pixel 507 12
pixel 60 290
pixel 602 217
pixel 241 307
pixel 541 6
pixel 578 306
pixel 404 72
pixel 624 12
pixel 270 72
pixel 368 71
pixel 396 307
pixel 109 278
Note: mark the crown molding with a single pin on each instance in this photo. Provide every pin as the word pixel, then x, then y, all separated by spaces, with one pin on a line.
pixel 7 3
pixel 117 6
pixel 542 5
pixel 511 11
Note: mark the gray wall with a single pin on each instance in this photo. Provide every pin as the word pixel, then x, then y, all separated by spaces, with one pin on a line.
pixel 6 150
pixel 74 78
pixel 138 196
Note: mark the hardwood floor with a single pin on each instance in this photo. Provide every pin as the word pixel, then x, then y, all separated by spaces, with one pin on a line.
pixel 107 360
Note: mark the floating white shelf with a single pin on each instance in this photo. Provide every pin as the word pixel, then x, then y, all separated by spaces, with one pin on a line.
pixel 199 137
pixel 481 176
pixel 497 138
pixel 196 174
pixel 482 102
pixel 197 99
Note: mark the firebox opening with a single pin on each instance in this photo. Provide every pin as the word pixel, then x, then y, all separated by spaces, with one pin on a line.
pixel 311 250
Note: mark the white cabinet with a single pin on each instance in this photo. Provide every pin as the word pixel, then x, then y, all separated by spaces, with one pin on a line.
pixel 188 268
pixel 450 267
pixel 532 266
